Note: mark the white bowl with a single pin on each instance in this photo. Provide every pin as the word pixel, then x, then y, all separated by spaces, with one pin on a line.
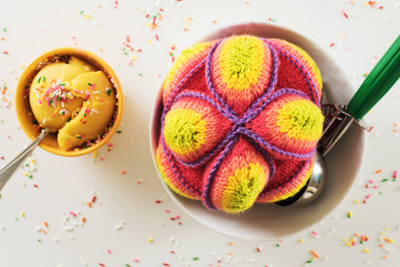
pixel 270 221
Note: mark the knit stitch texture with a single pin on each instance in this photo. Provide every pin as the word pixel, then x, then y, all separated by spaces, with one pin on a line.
pixel 241 122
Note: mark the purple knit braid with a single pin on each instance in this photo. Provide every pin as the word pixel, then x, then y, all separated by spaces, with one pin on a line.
pixel 250 113
pixel 178 88
pixel 178 175
pixel 229 116
pixel 264 143
pixel 204 158
pixel 214 170
pixel 303 70
pixel 166 150
pixel 267 158
pixel 210 83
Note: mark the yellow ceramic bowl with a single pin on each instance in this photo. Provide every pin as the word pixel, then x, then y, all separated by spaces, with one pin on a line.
pixel 23 109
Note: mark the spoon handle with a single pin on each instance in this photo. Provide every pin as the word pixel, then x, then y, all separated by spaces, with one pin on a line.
pixel 382 77
pixel 8 171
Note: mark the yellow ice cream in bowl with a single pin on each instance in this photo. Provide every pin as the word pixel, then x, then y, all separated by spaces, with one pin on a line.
pixel 76 95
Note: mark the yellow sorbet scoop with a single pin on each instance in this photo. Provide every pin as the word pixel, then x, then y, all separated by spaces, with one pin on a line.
pixel 96 111
pixel 51 102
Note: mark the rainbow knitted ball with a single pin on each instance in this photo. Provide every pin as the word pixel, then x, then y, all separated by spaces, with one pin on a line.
pixel 241 122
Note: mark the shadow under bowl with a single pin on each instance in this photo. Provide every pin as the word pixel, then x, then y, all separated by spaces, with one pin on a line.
pixel 269 221
pixel 23 108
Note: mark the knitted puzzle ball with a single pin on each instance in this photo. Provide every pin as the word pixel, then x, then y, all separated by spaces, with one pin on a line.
pixel 240 123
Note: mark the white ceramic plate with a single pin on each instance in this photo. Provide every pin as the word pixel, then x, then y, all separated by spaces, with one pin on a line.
pixel 270 221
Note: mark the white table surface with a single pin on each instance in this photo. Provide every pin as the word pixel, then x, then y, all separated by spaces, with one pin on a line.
pixel 36 26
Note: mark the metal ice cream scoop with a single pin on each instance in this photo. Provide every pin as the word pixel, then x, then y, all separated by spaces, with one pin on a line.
pixel 338 118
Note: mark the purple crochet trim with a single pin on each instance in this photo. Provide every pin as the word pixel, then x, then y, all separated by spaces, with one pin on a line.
pixel 264 143
pixel 250 113
pixel 221 158
pixel 229 136
pixel 274 190
pixel 229 116
pixel 204 158
pixel 178 175
pixel 210 83
pixel 270 163
pixel 303 70
pixel 166 109
pixel 178 88
pixel 214 170
pixel 238 127
pixel 249 116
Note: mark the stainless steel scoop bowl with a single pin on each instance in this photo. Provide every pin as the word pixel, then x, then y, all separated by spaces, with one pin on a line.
pixel 314 184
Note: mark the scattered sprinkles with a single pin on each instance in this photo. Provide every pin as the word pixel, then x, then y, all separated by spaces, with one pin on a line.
pixel 315 254
pixel 154 16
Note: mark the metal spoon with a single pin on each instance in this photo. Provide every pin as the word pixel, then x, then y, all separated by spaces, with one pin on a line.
pixel 8 171
pixel 381 79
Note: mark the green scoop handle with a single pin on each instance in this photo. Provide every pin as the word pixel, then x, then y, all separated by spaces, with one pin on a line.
pixel 379 81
